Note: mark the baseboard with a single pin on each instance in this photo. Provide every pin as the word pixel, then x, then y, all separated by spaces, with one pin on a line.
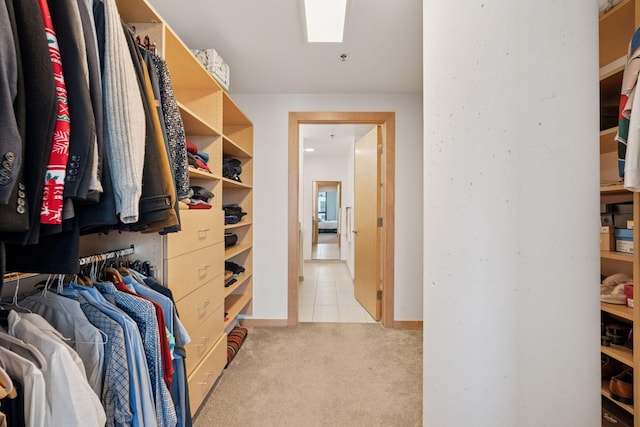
pixel 407 324
pixel 264 322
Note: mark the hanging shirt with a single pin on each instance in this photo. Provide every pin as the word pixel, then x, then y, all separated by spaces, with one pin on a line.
pixel 78 405
pixel 115 389
pixel 32 379
pixel 66 316
pixel 51 211
pixel 140 395
pixel 143 313
pixel 164 335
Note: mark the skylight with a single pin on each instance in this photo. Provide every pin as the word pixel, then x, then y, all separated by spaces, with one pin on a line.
pixel 325 20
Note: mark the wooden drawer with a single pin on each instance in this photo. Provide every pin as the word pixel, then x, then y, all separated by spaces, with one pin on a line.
pixel 201 303
pixel 186 273
pixel 206 374
pixel 203 337
pixel 200 228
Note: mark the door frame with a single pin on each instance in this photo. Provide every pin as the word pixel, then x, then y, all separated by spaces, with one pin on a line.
pixel 387 121
pixel 316 190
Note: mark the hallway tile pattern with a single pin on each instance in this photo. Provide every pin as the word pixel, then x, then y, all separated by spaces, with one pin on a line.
pixel 326 295
pixel 325 251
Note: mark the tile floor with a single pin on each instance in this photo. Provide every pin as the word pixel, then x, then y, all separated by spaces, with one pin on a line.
pixel 326 295
pixel 325 251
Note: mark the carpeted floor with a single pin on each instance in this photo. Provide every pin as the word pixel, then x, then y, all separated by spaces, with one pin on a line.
pixel 321 374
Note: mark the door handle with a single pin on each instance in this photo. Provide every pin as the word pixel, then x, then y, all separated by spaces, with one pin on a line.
pixel 354 231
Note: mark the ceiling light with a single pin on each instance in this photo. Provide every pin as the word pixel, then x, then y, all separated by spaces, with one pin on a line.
pixel 325 20
pixel 309 149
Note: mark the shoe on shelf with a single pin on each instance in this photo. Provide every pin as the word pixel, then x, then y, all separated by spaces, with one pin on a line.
pixel 621 387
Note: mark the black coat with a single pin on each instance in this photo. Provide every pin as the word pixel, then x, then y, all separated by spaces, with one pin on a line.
pixel 40 115
pixel 65 15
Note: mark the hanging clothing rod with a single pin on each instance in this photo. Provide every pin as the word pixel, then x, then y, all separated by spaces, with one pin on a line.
pixel 106 255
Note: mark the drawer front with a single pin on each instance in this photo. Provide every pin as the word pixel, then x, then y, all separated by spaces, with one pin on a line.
pixel 206 374
pixel 200 228
pixel 186 273
pixel 201 303
pixel 204 337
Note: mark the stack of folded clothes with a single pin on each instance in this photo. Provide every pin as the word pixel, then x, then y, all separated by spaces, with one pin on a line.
pixel 198 159
pixel 199 197
pixel 232 214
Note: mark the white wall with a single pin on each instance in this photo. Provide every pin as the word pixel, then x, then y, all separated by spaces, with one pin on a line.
pixel 511 144
pixel 320 169
pixel 269 114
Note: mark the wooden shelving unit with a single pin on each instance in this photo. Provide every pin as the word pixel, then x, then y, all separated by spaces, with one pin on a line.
pixel 193 259
pixel 616 28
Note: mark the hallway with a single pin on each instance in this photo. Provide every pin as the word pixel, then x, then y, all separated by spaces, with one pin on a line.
pixel 327 247
pixel 326 295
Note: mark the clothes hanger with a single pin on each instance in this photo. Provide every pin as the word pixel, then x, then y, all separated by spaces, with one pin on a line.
pixel 14 305
pixel 59 290
pixel 6 385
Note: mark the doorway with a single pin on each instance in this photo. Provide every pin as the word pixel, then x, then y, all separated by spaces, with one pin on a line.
pixel 327 204
pixel 386 123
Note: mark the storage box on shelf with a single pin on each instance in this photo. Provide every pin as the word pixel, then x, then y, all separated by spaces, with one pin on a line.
pixel 616 28
pixel 193 259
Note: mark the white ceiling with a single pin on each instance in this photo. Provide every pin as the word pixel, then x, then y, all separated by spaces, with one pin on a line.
pixel 263 43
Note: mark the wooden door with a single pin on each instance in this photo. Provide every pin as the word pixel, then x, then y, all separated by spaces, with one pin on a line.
pixel 366 232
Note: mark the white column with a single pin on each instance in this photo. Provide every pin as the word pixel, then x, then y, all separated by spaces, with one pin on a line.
pixel 511 309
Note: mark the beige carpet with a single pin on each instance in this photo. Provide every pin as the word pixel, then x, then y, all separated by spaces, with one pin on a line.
pixel 321 374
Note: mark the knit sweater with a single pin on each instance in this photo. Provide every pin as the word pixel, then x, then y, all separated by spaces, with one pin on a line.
pixel 123 117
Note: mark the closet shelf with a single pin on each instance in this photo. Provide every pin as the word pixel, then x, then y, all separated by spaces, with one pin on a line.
pixel 617 310
pixel 614 189
pixel 234 304
pixel 199 174
pixel 608 144
pixel 605 392
pixel 138 11
pixel 616 28
pixel 229 183
pixel 619 353
pixel 231 149
pixel 613 67
pixel 618 256
pixel 241 224
pixel 194 124
pixel 232 251
pixel 240 281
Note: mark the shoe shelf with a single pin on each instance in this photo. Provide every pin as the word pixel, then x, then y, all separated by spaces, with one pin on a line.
pixel 617 310
pixel 605 392
pixel 616 256
pixel 235 250
pixel 620 353
pixel 241 280
pixel 616 28
pixel 234 305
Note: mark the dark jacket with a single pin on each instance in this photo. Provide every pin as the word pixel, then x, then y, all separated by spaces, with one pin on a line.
pixel 40 114
pixel 65 15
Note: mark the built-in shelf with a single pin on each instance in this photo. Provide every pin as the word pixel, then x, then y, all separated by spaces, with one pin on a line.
pixel 618 256
pixel 619 310
pixel 240 280
pixel 234 304
pixel 232 251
